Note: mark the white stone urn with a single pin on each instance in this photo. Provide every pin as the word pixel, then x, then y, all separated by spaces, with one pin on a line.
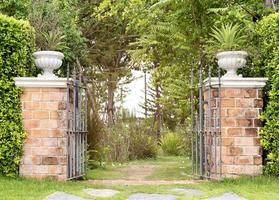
pixel 231 61
pixel 48 61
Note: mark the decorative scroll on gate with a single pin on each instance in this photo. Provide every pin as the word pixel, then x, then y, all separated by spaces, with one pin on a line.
pixel 76 128
pixel 206 128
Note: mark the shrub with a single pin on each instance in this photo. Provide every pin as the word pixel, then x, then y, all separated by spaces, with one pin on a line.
pixel 16 47
pixel 143 145
pixel 123 142
pixel 172 144
pixel 268 31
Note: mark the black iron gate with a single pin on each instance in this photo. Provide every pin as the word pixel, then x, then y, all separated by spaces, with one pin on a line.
pixel 206 126
pixel 76 128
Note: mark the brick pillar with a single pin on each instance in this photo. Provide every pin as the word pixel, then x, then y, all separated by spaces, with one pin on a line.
pixel 44 117
pixel 241 105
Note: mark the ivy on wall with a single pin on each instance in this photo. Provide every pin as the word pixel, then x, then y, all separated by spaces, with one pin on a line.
pixel 16 48
pixel 268 32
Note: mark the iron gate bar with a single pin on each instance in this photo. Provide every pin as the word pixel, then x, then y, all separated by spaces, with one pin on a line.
pixel 192 117
pixel 209 121
pixel 76 128
pixel 206 128
pixel 201 119
pixel 220 115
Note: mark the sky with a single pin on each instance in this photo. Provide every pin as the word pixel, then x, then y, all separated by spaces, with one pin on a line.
pixel 135 95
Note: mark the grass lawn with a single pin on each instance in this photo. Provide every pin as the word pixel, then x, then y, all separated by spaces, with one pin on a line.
pixel 259 188
pixel 163 168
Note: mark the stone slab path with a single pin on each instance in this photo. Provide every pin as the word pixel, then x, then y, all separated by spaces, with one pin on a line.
pixel 187 191
pixel 142 196
pixel 227 196
pixel 63 196
pixel 101 192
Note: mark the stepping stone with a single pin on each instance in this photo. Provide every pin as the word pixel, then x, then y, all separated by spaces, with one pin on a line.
pixel 143 196
pixel 187 191
pixel 227 196
pixel 101 192
pixel 63 196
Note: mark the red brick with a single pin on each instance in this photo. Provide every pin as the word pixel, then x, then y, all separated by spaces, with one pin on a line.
pixel 228 103
pixel 32 106
pixel 251 113
pixel 234 132
pixel 49 160
pixel 33 142
pixel 41 115
pixel 251 132
pixel 244 122
pixel 258 103
pixel 26 96
pixel 252 150
pixel 55 151
pixel 51 90
pixel 50 106
pixel 48 124
pixel 227 141
pixel 244 103
pixel 250 93
pixel 244 141
pixel 56 133
pixel 234 151
pixel 32 160
pixel 36 96
pixel 242 160
pixel 27 114
pixel 40 169
pixel 258 123
pixel 55 169
pixel 258 160
pixel 26 169
pixel 233 93
pixel 49 142
pixel 228 122
pixel 39 133
pixel 31 90
pixel 31 124
pixel 235 112
pixel 54 115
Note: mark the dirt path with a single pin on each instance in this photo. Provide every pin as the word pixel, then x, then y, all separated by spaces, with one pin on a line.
pixel 138 172
pixel 142 182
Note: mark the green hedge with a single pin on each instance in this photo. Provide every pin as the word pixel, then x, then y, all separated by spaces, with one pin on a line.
pixel 268 32
pixel 16 47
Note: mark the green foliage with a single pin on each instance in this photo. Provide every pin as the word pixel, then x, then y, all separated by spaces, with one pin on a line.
pixel 268 30
pixel 172 144
pixel 54 41
pixel 56 26
pixel 228 37
pixel 123 142
pixel 16 47
pixel 15 8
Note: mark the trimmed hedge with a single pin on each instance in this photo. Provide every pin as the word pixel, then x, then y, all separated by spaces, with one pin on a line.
pixel 16 47
pixel 268 32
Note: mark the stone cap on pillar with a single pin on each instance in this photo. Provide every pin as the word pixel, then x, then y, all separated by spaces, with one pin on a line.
pixel 236 82
pixel 37 82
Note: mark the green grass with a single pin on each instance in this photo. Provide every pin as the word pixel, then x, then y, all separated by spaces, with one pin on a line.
pixel 166 168
pixel 259 188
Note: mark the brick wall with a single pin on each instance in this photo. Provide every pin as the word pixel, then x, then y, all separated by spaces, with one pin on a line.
pixel 44 117
pixel 240 110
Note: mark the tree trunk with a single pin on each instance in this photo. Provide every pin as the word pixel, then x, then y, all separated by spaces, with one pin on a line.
pixel 158 112
pixel 110 102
